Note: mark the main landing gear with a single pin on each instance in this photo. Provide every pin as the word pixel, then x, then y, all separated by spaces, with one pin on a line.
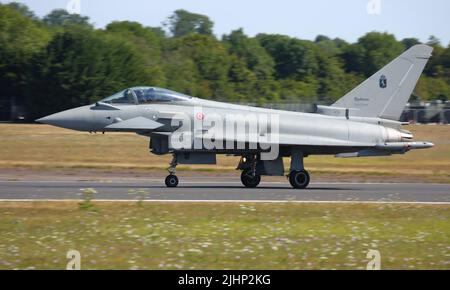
pixel 299 179
pixel 172 179
pixel 298 176
pixel 249 179
pixel 252 169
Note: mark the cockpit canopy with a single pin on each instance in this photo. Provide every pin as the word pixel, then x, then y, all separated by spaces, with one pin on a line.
pixel 145 95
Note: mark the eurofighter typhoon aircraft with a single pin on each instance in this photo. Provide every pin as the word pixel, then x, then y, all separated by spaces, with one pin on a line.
pixel 362 123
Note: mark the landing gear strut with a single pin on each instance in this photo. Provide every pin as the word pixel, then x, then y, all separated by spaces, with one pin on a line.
pixel 172 179
pixel 298 176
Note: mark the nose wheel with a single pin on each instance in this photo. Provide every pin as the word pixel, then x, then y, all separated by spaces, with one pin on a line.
pixel 171 180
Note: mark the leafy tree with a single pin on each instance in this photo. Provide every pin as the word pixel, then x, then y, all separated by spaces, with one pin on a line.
pixel 437 83
pixel 242 79
pixel 332 78
pixel 212 62
pixel 410 42
pixel 434 41
pixel 62 18
pixel 321 37
pixel 182 74
pixel 445 62
pixel 435 66
pixel 20 38
pixel 293 57
pixel 183 22
pixel 251 52
pixel 252 71
pixel 340 43
pixel 148 43
pixel 371 52
pixel 22 9
pixel 332 47
pixel 299 91
pixel 80 67
pixel 429 88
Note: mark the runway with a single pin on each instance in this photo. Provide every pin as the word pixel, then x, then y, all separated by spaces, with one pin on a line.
pixel 227 191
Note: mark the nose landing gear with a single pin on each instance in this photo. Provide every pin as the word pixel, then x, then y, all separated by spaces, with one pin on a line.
pixel 172 179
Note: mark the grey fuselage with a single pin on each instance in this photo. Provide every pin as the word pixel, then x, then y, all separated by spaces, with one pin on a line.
pixel 315 133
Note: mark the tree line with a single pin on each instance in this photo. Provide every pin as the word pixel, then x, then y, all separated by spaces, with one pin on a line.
pixel 61 61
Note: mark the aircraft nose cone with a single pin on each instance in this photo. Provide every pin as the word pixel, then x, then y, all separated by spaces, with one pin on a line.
pixel 75 119
pixel 47 120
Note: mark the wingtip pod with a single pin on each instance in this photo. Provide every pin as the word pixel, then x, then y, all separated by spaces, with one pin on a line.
pixel 387 149
pixel 424 145
pixel 405 145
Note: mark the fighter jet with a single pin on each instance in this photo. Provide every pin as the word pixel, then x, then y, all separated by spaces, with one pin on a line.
pixel 364 122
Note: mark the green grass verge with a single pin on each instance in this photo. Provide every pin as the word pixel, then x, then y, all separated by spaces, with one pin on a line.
pixel 223 236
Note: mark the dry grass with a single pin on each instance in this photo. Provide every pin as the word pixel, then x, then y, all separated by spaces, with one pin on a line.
pixel 47 147
pixel 38 235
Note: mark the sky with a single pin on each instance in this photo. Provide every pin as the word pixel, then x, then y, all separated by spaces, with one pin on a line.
pixel 305 19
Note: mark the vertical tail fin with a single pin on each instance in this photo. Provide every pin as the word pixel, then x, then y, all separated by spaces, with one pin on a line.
pixel 386 93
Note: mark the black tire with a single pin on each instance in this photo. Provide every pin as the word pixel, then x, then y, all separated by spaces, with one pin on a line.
pixel 299 179
pixel 171 181
pixel 248 180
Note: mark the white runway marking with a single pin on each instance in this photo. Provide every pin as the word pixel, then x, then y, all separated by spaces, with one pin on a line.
pixel 232 201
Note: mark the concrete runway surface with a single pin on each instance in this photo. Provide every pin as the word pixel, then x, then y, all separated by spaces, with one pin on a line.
pixel 227 191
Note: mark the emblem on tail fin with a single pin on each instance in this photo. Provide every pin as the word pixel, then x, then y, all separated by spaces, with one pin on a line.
pixel 383 81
